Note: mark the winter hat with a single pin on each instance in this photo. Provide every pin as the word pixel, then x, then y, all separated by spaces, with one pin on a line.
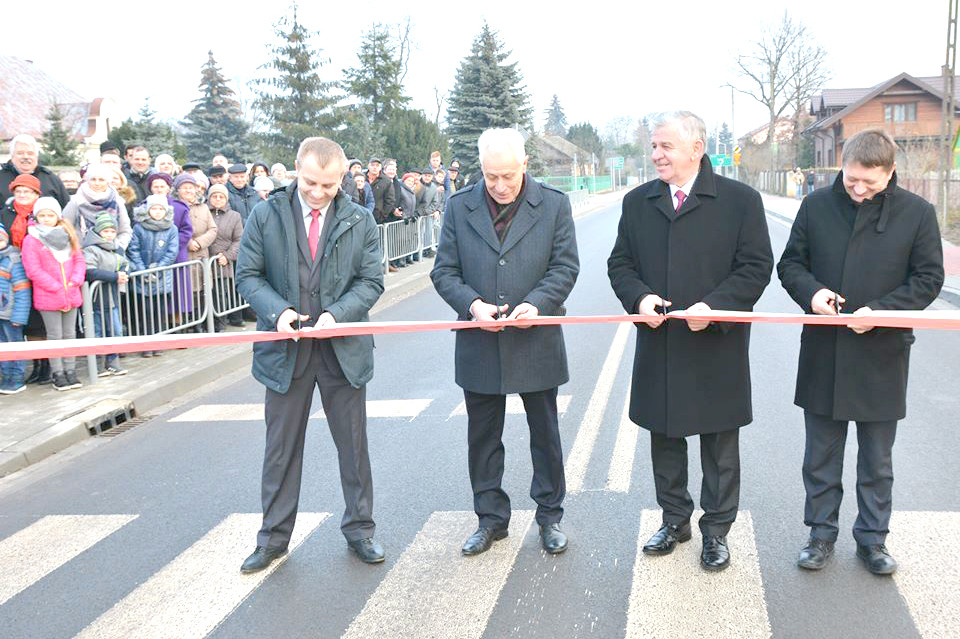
pixel 183 178
pixel 99 170
pixel 216 170
pixel 157 200
pixel 27 180
pixel 218 188
pixel 239 167
pixel 159 176
pixel 47 204
pixel 104 221
pixel 263 184
pixel 202 180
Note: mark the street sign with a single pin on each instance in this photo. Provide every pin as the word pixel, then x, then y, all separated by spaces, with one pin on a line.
pixel 721 160
pixel 736 155
pixel 616 163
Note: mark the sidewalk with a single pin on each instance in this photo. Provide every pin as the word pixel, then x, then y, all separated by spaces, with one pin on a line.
pixel 785 208
pixel 41 421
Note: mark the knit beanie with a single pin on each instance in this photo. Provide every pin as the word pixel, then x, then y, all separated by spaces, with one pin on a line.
pixel 218 188
pixel 47 204
pixel 157 200
pixel 183 178
pixel 159 176
pixel 263 184
pixel 27 180
pixel 104 221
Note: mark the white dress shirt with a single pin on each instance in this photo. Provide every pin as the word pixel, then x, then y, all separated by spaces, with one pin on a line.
pixel 307 218
pixel 686 188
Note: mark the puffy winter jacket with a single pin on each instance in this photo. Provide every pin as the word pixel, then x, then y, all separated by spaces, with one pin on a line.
pixel 56 285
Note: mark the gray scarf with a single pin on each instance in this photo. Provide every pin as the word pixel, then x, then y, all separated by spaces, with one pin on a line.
pixel 54 238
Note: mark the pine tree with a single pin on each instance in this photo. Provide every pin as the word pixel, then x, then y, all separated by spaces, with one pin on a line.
pixel 586 137
pixel 487 93
pixel 376 82
pixel 556 120
pixel 725 137
pixel 215 124
pixel 410 136
pixel 295 103
pixel 157 137
pixel 59 143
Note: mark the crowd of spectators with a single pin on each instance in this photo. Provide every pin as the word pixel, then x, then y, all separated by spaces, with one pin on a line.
pixel 131 212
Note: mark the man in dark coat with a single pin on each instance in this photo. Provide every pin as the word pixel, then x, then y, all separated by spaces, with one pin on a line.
pixel 242 196
pixel 385 200
pixel 508 247
pixel 863 245
pixel 691 240
pixel 24 159
pixel 139 171
pixel 309 253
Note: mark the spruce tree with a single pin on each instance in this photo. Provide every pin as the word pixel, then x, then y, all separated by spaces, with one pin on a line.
pixel 585 136
pixel 410 136
pixel 59 144
pixel 157 137
pixel 294 102
pixel 556 120
pixel 487 93
pixel 215 124
pixel 376 81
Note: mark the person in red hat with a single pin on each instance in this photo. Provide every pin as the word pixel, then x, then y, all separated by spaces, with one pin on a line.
pixel 15 214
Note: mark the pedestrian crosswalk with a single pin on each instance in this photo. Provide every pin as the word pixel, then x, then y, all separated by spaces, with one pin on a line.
pixel 429 590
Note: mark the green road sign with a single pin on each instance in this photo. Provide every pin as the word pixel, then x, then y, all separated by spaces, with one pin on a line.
pixel 616 163
pixel 721 160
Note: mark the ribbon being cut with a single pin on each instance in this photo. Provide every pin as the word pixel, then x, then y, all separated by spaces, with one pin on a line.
pixel 945 320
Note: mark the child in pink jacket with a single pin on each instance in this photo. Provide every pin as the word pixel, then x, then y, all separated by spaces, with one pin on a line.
pixel 53 260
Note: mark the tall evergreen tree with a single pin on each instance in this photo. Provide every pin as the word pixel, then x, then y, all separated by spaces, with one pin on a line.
pixel 294 102
pixel 215 124
pixel 725 137
pixel 59 143
pixel 157 137
pixel 376 81
pixel 487 93
pixel 587 138
pixel 556 120
pixel 410 136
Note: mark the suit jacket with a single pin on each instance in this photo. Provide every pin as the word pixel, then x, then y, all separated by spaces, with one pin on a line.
pixel 715 249
pixel 891 259
pixel 536 263
pixel 349 281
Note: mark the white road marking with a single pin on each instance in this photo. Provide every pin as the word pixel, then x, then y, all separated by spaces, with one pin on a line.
pixel 928 581
pixel 776 219
pixel 579 457
pixel 624 450
pixel 515 406
pixel 409 408
pixel 192 594
pixel 433 591
pixel 672 596
pixel 36 551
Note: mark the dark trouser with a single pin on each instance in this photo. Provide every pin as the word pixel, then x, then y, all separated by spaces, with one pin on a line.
pixel 823 477
pixel 286 417
pixel 485 417
pixel 14 371
pixel 720 490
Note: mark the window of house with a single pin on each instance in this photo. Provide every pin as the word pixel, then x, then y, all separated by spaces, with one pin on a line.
pixel 906 112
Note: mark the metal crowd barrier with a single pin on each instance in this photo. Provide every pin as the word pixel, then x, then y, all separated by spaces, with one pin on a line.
pixel 159 300
pixel 408 237
pixel 579 198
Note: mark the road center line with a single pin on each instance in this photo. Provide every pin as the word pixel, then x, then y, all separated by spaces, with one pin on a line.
pixel 621 462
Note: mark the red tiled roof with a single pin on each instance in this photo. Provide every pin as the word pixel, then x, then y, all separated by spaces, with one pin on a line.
pixel 26 95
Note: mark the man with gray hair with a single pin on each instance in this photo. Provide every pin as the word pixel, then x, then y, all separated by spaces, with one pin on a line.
pixel 309 254
pixel 864 245
pixel 25 159
pixel 691 241
pixel 508 250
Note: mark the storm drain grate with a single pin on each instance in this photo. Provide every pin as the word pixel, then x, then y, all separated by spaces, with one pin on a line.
pixel 124 426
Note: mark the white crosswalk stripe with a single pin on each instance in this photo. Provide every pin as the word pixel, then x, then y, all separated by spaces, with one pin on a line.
pixel 685 601
pixel 376 408
pixel 624 451
pixel 515 406
pixel 34 552
pixel 583 444
pixel 192 594
pixel 433 591
pixel 929 584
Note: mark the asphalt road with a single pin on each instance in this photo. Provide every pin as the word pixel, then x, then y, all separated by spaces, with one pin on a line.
pixel 143 534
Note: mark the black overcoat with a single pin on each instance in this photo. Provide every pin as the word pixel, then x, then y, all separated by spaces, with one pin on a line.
pixel 716 250
pixel 537 263
pixel 892 259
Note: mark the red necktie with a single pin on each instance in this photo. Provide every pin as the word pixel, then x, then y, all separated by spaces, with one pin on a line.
pixel 681 196
pixel 313 235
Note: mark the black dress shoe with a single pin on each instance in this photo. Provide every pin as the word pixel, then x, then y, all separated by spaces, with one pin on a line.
pixel 482 539
pixel 877 559
pixel 552 539
pixel 815 554
pixel 665 539
pixel 715 555
pixel 261 558
pixel 368 550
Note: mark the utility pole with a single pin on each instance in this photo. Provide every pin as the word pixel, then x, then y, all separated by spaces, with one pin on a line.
pixel 949 74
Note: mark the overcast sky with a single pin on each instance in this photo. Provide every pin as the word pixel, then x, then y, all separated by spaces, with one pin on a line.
pixel 603 60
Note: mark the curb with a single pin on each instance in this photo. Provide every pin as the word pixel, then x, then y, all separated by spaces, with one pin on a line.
pixel 950 296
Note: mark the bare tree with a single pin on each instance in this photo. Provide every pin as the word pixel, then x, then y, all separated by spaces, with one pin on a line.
pixel 404 47
pixel 440 100
pixel 783 69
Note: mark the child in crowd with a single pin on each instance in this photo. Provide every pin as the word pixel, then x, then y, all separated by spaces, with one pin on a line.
pixel 155 243
pixel 53 260
pixel 106 263
pixel 14 311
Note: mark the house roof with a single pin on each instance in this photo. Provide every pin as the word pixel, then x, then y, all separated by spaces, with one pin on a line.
pixel 564 146
pixel 923 83
pixel 26 95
